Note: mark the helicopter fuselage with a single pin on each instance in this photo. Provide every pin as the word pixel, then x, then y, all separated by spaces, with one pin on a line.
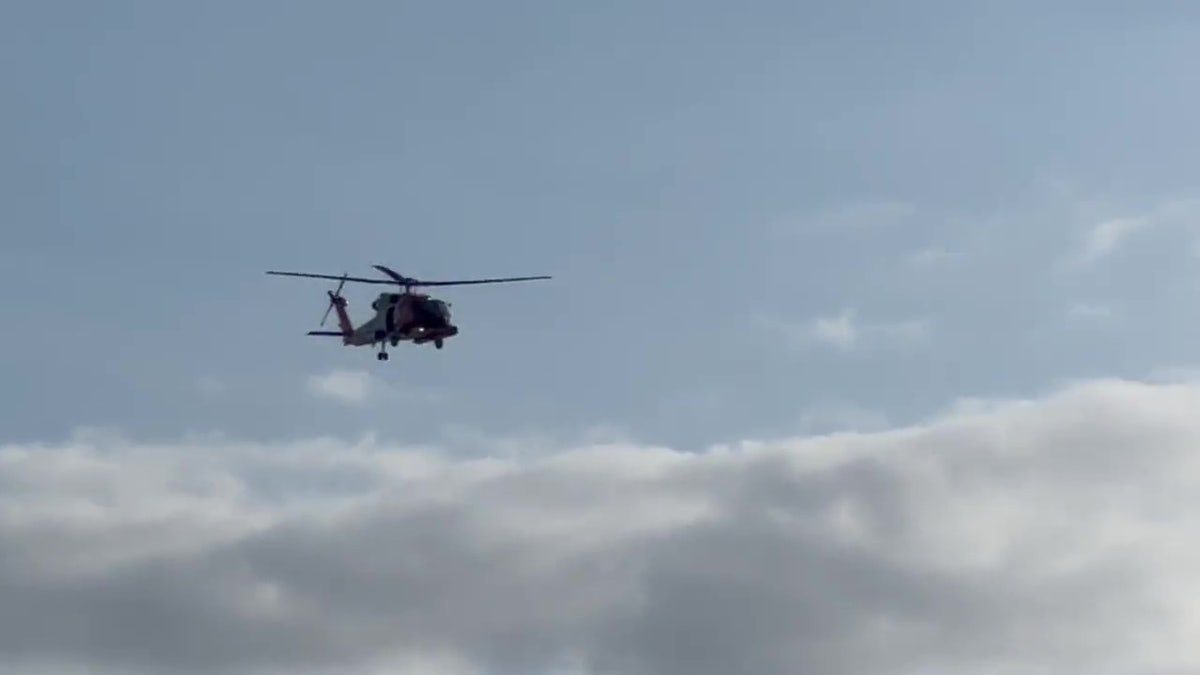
pixel 405 317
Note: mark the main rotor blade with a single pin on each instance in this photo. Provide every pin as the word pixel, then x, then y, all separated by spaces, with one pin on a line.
pixel 338 277
pixel 400 279
pixel 466 282
pixel 409 281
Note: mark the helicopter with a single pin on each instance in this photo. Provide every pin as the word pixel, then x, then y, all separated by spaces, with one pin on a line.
pixel 399 317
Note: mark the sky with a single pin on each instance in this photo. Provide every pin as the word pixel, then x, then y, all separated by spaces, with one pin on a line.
pixel 870 343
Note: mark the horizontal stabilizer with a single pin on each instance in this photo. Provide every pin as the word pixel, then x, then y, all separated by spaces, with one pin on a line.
pixel 330 333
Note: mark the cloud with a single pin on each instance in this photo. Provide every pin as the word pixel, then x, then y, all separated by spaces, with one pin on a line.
pixel 845 331
pixel 1053 535
pixel 1106 237
pixel 345 386
pixel 1109 235
pixel 356 387
pixel 839 330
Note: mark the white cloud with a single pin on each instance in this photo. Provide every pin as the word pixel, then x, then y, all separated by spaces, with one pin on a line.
pixel 845 331
pixel 838 330
pixel 345 386
pixel 1040 536
pixel 1106 237
pixel 356 387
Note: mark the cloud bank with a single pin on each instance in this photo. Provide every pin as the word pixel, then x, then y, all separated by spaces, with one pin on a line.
pixel 1047 536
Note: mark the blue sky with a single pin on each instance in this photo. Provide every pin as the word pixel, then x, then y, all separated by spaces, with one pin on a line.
pixel 704 180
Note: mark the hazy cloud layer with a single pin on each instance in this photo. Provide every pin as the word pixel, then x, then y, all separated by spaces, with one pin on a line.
pixel 1036 537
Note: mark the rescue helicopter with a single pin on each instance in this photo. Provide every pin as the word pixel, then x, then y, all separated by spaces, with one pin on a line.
pixel 399 317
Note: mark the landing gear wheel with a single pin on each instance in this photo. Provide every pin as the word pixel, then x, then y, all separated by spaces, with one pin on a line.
pixel 438 343
pixel 382 356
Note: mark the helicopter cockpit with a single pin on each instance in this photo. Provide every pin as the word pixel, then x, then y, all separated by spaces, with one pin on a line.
pixel 436 310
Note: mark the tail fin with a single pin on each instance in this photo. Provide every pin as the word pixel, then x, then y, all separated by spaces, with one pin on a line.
pixel 344 323
pixel 337 301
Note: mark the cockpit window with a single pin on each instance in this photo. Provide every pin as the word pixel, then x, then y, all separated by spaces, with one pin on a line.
pixel 435 310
